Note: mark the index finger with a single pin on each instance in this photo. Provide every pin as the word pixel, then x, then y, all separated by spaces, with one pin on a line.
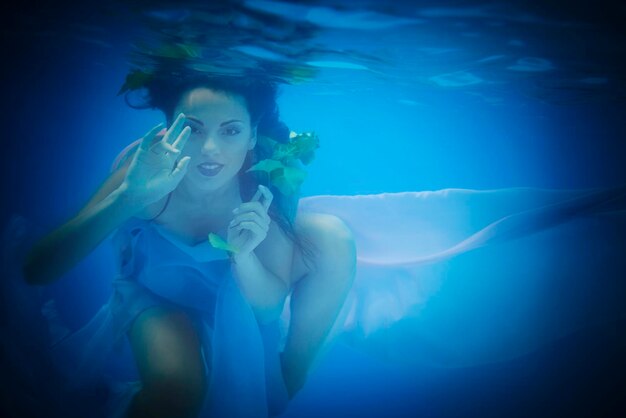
pixel 257 195
pixel 146 141
pixel 175 129
pixel 264 196
pixel 268 196
pixel 180 142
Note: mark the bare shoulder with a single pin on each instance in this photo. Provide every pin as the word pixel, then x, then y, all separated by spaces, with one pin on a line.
pixel 333 241
pixel 152 210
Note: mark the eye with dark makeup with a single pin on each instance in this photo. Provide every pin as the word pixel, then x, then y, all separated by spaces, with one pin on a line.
pixel 232 131
pixel 195 130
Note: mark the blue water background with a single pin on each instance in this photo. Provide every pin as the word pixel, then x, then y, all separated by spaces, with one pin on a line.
pixel 64 125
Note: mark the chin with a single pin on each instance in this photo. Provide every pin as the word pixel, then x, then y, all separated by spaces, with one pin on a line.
pixel 203 183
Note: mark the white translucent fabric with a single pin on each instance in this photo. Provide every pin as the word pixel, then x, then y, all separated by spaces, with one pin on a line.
pixel 450 277
pixel 460 277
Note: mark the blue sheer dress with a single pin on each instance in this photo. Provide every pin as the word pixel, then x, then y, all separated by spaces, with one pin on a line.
pixel 449 278
pixel 240 355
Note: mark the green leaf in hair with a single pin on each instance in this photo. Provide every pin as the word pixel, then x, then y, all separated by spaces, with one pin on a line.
pixel 219 243
pixel 288 180
pixel 300 146
pixel 281 166
pixel 178 51
pixel 135 80
pixel 268 165
pixel 267 144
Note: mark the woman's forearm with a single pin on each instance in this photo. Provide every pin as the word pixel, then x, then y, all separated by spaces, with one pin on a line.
pixel 265 291
pixel 66 246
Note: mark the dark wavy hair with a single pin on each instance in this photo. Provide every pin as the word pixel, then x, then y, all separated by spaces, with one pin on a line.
pixel 164 93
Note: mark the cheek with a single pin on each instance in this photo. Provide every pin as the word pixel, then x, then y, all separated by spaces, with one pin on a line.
pixel 236 149
pixel 192 148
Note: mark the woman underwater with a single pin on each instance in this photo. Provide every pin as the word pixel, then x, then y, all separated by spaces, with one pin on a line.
pixel 179 300
pixel 449 278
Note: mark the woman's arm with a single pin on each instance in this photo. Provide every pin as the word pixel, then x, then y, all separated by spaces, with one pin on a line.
pixel 63 248
pixel 265 286
pixel 153 171
pixel 264 290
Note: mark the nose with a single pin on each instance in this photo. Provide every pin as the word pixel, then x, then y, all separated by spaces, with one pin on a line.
pixel 210 146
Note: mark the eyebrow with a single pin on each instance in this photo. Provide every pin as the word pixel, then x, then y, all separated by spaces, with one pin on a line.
pixel 199 122
pixel 230 121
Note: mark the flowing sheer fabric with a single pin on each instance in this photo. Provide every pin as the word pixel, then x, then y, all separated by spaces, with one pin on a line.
pixel 464 277
pixel 451 277
pixel 95 364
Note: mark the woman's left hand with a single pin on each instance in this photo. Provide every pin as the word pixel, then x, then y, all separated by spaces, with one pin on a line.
pixel 251 222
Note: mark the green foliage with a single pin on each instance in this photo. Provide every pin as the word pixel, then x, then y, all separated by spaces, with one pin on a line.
pixel 135 80
pixel 282 167
pixel 219 243
pixel 288 179
pixel 178 51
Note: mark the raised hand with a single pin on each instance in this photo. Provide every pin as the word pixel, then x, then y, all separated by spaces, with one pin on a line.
pixel 251 222
pixel 155 169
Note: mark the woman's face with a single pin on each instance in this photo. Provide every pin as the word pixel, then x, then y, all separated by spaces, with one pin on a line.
pixel 220 134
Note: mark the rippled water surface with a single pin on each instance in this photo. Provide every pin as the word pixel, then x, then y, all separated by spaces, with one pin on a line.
pixel 404 95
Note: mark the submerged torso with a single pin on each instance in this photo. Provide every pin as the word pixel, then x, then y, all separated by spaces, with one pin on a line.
pixel 193 225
